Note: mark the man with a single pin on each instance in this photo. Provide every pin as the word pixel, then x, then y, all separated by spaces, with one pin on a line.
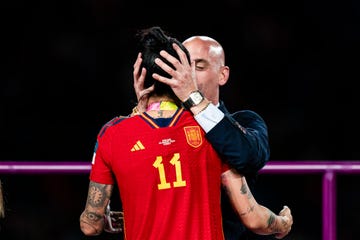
pixel 241 138
pixel 167 173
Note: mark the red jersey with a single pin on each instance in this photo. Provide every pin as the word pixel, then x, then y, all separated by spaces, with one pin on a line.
pixel 168 177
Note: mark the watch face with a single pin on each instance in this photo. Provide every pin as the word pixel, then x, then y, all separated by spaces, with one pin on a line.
pixel 197 98
pixel 194 99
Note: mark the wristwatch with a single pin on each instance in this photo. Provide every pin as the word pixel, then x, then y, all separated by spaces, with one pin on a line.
pixel 194 99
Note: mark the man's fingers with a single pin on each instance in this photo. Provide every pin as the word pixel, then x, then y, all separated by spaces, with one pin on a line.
pixel 162 79
pixel 174 61
pixel 181 54
pixel 114 222
pixel 285 210
pixel 164 66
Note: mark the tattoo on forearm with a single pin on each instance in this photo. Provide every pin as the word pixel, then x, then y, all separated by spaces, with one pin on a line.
pixel 249 210
pixel 271 220
pixel 245 190
pixel 93 217
pixel 98 193
pixel 272 223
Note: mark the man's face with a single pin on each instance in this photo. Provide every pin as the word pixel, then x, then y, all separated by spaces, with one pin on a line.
pixel 207 69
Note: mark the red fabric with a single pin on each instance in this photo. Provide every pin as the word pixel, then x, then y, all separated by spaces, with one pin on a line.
pixel 168 178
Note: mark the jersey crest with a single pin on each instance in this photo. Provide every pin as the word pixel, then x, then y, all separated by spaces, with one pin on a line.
pixel 193 136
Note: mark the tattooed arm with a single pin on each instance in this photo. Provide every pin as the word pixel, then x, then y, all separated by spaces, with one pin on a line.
pixel 92 218
pixel 254 216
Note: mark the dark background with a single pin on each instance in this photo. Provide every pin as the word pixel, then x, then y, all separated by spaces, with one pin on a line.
pixel 67 70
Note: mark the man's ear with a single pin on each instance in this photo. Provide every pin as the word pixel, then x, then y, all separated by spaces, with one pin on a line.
pixel 224 75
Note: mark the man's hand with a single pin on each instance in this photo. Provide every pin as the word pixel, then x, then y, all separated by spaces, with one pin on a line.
pixel 287 222
pixel 114 221
pixel 183 77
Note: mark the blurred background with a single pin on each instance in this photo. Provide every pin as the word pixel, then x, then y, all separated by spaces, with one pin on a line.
pixel 67 69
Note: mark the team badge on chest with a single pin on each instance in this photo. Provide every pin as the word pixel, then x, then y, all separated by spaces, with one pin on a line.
pixel 193 136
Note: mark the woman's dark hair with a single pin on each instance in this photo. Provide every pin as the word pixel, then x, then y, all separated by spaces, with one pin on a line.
pixel 152 41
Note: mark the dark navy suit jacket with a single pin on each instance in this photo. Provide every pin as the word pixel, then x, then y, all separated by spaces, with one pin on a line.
pixel 241 139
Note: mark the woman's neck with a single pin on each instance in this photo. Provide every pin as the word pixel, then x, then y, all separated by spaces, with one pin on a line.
pixel 161 105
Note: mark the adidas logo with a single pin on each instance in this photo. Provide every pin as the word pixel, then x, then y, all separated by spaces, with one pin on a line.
pixel 137 146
